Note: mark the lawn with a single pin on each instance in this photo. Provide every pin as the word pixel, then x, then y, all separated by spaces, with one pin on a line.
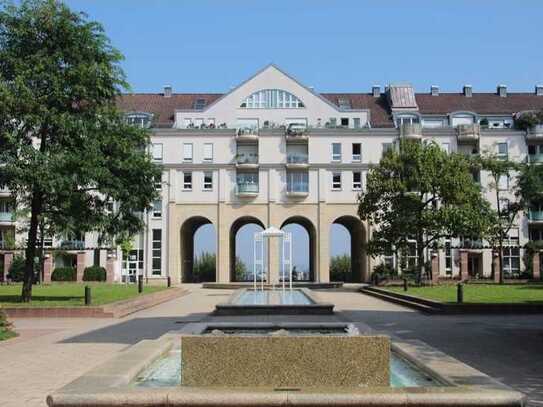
pixel 480 293
pixel 70 294
pixel 5 331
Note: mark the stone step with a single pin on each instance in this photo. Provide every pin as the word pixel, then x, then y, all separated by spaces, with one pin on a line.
pixel 401 301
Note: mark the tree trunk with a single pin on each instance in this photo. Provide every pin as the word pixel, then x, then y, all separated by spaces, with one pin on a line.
pixel 500 265
pixel 420 260
pixel 30 252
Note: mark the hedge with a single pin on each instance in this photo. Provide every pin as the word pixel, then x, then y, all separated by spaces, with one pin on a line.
pixel 94 273
pixel 17 269
pixel 64 274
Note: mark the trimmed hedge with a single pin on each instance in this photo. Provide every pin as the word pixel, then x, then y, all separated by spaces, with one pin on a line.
pixel 64 274
pixel 17 269
pixel 94 273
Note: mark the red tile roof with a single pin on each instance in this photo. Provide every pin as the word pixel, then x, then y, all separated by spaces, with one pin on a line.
pixel 164 108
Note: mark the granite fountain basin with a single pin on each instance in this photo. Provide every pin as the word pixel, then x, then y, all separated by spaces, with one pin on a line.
pixel 184 368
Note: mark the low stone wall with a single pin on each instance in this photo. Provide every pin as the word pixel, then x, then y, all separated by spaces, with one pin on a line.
pixel 285 361
pixel 114 310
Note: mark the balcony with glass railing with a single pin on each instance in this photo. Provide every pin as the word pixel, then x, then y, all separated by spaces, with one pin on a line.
pixel 468 133
pixel 411 131
pixel 72 244
pixel 247 160
pixel 297 160
pixel 247 189
pixel 298 189
pixel 6 217
pixel 247 133
pixel 535 158
pixel 535 133
pixel 4 191
pixel 297 132
pixel 535 216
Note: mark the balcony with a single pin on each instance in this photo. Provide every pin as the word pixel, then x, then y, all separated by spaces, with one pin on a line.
pixel 535 133
pixel 70 244
pixel 248 161
pixel 468 133
pixel 297 189
pixel 411 131
pixel 248 134
pixel 4 191
pixel 535 216
pixel 297 161
pixel 247 189
pixel 297 132
pixel 6 217
pixel 535 158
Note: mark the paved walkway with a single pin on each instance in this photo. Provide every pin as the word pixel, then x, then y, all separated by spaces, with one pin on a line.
pixel 52 352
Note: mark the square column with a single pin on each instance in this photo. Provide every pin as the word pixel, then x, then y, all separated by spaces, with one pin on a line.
pixel 536 261
pixel 435 268
pixel 110 267
pixel 80 266
pixel 274 261
pixel 8 259
pixel 47 268
pixel 464 275
pixel 496 266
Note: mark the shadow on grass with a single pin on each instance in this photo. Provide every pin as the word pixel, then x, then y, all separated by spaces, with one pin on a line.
pixel 17 298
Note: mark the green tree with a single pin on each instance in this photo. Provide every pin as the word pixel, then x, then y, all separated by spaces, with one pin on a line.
pixel 421 193
pixel 340 268
pixel 204 267
pixel 241 271
pixel 501 170
pixel 68 151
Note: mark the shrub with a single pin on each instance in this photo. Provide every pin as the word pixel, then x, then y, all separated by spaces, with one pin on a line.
pixel 382 272
pixel 64 274
pixel 17 270
pixel 94 273
pixel 528 120
pixel 340 268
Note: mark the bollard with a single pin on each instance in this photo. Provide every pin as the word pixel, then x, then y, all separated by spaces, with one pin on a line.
pixel 405 284
pixel 460 293
pixel 140 284
pixel 87 295
pixel 169 281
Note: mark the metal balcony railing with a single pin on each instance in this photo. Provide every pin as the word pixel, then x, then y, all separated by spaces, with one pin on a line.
pixel 297 158
pixel 247 159
pixel 247 187
pixel 247 131
pixel 468 130
pixel 72 244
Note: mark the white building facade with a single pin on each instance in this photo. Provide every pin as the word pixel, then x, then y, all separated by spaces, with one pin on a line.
pixel 274 152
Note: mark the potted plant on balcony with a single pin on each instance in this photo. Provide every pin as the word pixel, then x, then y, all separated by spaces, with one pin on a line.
pixel 529 120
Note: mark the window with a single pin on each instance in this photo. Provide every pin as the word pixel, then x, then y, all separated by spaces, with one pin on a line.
pixel 199 104
pixel 411 255
pixel 157 208
pixel 297 181
pixel 432 123
pixel 157 151
pixel 502 151
pixel 357 180
pixel 157 252
pixel 357 152
pixel 511 255
pixel 503 183
pixel 187 151
pixel 187 181
pixel 344 103
pixel 336 180
pixel 158 183
pixel 462 119
pixel 208 152
pixel 406 119
pixel 336 151
pixel 536 234
pixel 344 122
pixel 387 147
pixel 332 122
pixel 448 257
pixel 208 181
pixel 356 122
pixel 272 99
pixel 139 119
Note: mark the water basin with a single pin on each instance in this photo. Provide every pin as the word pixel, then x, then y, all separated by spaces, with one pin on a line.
pixel 275 297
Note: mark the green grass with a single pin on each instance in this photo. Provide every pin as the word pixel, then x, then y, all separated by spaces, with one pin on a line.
pixel 70 294
pixel 6 334
pixel 480 293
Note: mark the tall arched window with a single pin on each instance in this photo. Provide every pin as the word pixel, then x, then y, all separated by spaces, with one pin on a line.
pixel 272 99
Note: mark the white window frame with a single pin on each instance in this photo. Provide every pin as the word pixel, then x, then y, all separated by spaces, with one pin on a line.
pixel 503 183
pixel 336 186
pixel 158 152
pixel 156 252
pixel 157 208
pixel 186 157
pixel 502 155
pixel 208 152
pixel 208 186
pixel 336 157
pixel 187 186
pixel 357 185
pixel 356 158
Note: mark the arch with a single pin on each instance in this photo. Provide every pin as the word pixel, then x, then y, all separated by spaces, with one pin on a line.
pixel 188 231
pixel 272 99
pixel 234 229
pixel 312 237
pixel 357 233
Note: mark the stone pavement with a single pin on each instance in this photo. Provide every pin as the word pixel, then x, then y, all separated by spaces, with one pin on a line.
pixel 52 352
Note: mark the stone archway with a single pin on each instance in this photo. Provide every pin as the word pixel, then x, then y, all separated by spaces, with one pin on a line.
pixel 188 231
pixel 234 229
pixel 357 232
pixel 311 231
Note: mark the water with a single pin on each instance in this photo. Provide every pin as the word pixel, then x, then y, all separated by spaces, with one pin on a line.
pixel 273 297
pixel 166 372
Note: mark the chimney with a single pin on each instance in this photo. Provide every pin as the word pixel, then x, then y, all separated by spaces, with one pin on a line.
pixel 467 90
pixel 539 90
pixel 376 91
pixel 434 90
pixel 502 91
pixel 167 91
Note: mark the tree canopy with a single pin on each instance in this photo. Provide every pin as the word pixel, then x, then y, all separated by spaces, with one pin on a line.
pixel 70 157
pixel 420 193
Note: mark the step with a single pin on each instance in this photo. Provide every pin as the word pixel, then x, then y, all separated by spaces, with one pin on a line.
pixel 401 301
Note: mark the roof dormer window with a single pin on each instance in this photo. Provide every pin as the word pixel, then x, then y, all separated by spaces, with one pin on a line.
pixel 272 99
pixel 199 104
pixel 139 119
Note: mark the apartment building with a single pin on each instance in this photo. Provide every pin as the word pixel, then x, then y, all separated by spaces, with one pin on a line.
pixel 274 152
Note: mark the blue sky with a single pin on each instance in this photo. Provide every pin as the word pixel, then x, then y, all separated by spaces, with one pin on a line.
pixel 343 46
